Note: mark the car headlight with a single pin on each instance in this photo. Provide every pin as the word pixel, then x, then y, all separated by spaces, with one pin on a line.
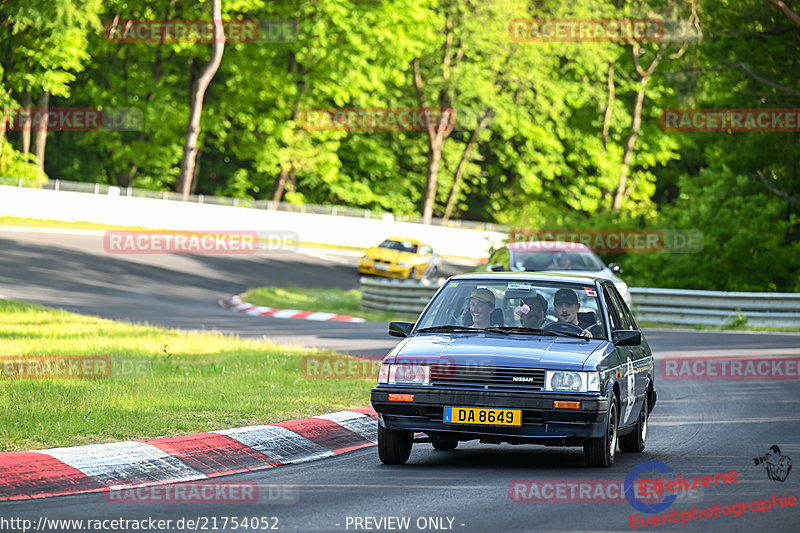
pixel 403 264
pixel 365 258
pixel 561 380
pixel 404 374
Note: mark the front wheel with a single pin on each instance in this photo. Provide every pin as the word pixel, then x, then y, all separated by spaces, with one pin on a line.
pixel 601 451
pixel 394 445
pixel 635 440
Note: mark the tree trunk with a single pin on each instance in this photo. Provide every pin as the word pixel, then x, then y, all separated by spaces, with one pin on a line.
pixel 26 132
pixel 626 158
pixel 636 124
pixel 196 104
pixel 437 135
pixel 287 177
pixel 451 201
pixel 609 104
pixel 41 134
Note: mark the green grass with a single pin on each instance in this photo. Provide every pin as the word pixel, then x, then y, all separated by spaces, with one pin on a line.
pixel 198 382
pixel 702 327
pixel 50 223
pixel 320 300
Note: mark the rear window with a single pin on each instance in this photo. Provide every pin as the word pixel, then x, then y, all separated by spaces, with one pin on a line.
pixel 538 261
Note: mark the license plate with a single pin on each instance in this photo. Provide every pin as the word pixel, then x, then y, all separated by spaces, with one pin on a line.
pixel 381 266
pixel 482 416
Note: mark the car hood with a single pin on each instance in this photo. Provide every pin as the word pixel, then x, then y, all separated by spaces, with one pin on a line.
pixel 524 351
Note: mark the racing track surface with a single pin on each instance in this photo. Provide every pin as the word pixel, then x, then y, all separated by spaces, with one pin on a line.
pixel 698 427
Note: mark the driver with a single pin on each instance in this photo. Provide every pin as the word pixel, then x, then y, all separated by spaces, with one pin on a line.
pixel 565 302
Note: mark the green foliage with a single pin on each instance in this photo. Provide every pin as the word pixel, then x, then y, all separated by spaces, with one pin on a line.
pixel 543 161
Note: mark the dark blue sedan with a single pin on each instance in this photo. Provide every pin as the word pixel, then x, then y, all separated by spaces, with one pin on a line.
pixel 522 358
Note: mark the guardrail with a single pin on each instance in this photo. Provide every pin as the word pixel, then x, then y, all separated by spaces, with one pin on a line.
pixel 396 295
pixel 315 209
pixel 662 306
pixel 713 308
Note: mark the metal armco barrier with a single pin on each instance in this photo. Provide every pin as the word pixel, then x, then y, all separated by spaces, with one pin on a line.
pixel 662 306
pixel 405 296
pixel 713 308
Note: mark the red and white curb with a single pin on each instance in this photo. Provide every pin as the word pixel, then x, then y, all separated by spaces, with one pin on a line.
pixel 254 310
pixel 123 465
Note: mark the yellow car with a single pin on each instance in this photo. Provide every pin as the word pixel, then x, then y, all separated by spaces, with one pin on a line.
pixel 400 257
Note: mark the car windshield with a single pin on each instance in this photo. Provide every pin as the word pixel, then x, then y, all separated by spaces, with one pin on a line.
pixel 538 261
pixel 403 246
pixel 506 303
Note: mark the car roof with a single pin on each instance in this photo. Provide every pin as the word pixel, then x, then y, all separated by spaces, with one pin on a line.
pixel 404 239
pixel 549 246
pixel 530 276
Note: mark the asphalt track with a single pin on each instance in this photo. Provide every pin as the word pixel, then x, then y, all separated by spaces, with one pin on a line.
pixel 698 427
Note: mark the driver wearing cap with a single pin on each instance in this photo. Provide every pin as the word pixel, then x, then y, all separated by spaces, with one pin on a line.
pixel 565 302
pixel 481 307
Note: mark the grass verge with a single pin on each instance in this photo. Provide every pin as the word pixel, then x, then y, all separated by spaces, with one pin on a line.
pixel 702 327
pixel 321 300
pixel 195 382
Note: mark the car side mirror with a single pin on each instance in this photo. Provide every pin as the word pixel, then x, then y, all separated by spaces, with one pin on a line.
pixel 497 267
pixel 626 337
pixel 615 268
pixel 400 329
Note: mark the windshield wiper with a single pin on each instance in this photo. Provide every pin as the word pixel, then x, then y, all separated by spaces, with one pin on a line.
pixel 574 335
pixel 518 329
pixel 447 329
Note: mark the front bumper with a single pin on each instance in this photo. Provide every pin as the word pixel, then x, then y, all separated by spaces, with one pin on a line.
pixel 540 420
pixel 393 272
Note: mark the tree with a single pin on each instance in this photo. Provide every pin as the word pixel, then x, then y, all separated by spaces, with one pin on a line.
pixel 196 104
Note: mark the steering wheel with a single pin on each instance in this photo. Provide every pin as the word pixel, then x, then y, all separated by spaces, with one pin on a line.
pixel 564 327
pixel 592 328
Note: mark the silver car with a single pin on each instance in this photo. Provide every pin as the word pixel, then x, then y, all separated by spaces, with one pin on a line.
pixel 558 257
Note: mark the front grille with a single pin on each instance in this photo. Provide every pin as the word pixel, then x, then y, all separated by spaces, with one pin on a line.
pixel 493 377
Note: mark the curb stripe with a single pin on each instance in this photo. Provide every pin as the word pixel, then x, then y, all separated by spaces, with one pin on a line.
pixel 236 303
pixel 212 454
pixel 33 475
pixel 128 464
pixel 360 424
pixel 327 434
pixel 284 445
pixel 124 464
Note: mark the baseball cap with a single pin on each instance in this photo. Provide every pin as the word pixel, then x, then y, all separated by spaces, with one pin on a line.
pixel 566 296
pixel 483 295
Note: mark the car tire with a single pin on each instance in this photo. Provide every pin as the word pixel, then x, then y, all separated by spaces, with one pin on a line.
pixel 444 444
pixel 600 452
pixel 412 274
pixel 394 446
pixel 635 441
